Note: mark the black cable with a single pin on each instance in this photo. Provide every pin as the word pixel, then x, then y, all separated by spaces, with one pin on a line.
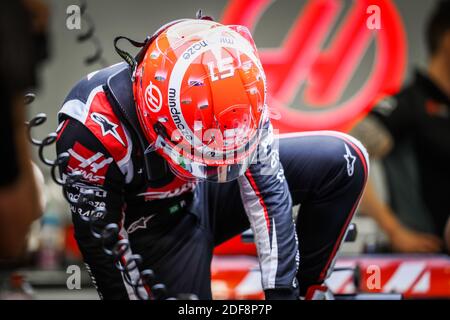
pixel 89 36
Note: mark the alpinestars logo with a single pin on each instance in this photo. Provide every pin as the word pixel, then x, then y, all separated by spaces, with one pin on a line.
pixel 93 166
pixel 139 224
pixel 107 126
pixel 350 161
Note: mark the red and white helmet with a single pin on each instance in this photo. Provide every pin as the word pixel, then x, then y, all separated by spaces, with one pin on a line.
pixel 200 93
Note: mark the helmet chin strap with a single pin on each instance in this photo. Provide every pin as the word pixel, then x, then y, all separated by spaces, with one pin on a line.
pixel 126 56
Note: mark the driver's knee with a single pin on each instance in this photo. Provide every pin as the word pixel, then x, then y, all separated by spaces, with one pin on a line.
pixel 347 163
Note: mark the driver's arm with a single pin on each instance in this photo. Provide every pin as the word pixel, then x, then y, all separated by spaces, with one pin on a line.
pixel 268 204
pixel 102 176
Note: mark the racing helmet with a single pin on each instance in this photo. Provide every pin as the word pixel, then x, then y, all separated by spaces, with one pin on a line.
pixel 200 94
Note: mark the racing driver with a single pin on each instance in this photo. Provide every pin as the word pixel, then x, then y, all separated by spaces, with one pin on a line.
pixel 176 144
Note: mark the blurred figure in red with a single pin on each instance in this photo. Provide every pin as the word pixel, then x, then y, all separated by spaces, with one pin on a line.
pixel 410 132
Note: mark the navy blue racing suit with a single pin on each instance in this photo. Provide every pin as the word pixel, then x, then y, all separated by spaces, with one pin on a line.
pixel 175 224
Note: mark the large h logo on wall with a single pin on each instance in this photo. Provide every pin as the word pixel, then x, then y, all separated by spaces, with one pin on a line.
pixel 313 76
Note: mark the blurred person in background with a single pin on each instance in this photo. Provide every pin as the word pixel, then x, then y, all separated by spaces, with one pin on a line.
pixel 23 26
pixel 410 133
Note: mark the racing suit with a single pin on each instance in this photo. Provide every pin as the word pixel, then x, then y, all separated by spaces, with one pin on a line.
pixel 175 224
